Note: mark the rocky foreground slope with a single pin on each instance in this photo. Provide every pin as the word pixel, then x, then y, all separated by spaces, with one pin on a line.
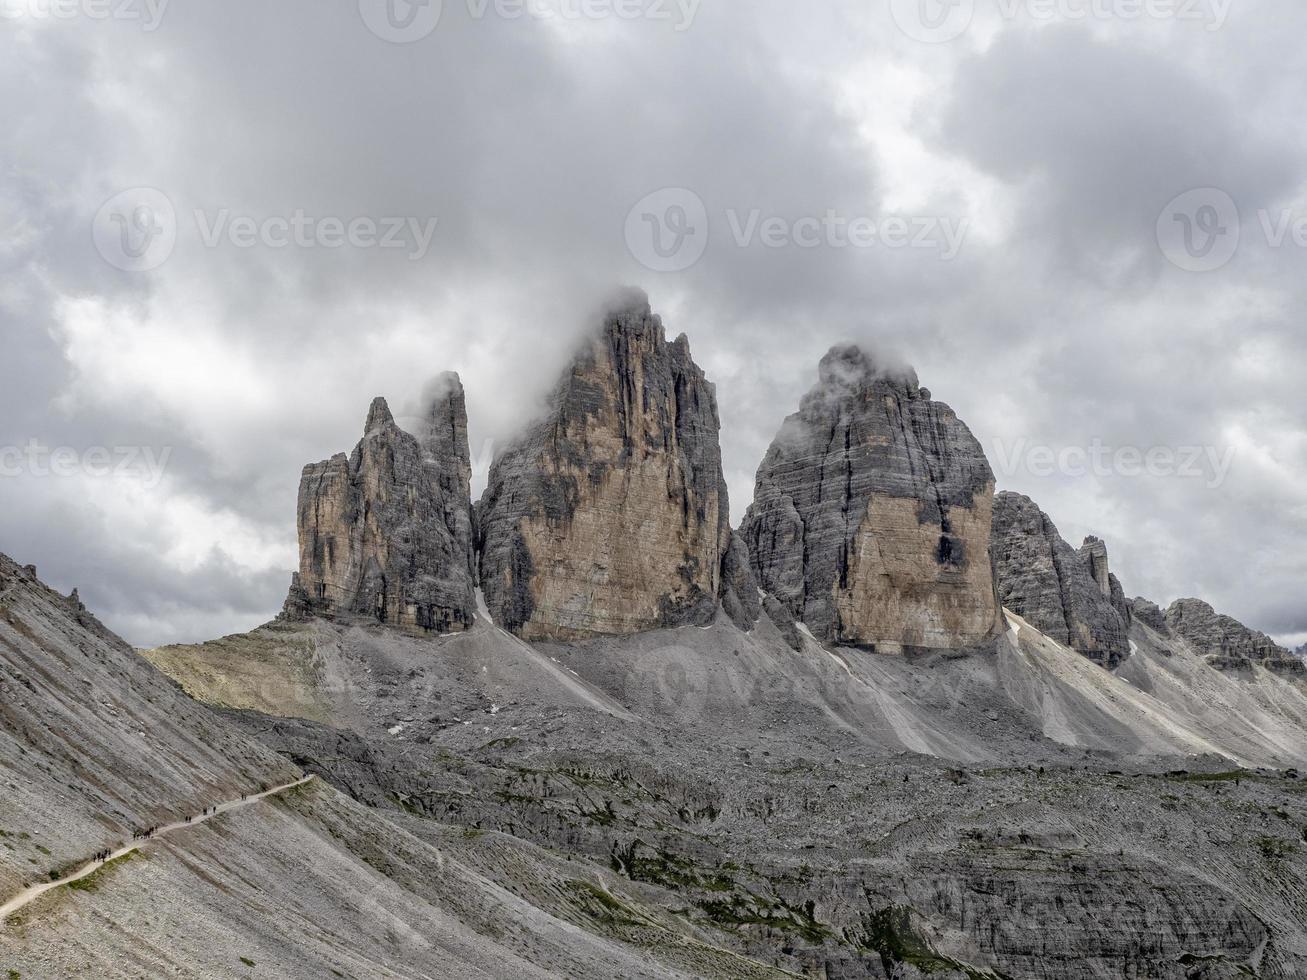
pixel 96 744
pixel 1018 812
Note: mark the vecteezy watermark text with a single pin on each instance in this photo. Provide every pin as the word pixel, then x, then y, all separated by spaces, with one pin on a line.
pixel 1210 464
pixel 148 13
pixel 408 21
pixel 35 459
pixel 669 230
pixel 940 21
pixel 138 229
pixel 304 231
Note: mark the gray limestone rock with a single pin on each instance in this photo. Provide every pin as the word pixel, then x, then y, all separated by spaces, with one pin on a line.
pixel 386 532
pixel 610 516
pixel 1069 595
pixel 740 592
pixel 1226 642
pixel 443 436
pixel 871 514
pixel 1150 614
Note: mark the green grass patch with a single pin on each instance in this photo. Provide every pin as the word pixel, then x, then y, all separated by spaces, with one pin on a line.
pixel 891 934
pixel 604 907
pixel 96 878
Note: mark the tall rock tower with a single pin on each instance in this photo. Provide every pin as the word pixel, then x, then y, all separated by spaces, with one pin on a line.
pixel 610 515
pixel 386 532
pixel 871 515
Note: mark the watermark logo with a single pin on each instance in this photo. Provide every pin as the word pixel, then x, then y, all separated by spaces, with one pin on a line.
pixel 834 230
pixel 136 231
pixel 941 21
pixel 1210 464
pixel 407 21
pixel 145 464
pixel 401 21
pixel 1200 230
pixel 933 21
pixel 667 231
pixel 148 13
pixel 302 230
pixel 1203 229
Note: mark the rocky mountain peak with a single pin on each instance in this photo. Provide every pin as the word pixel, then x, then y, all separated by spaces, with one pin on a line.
pixel 379 416
pixel 871 514
pixel 1069 595
pixel 1225 641
pixel 386 532
pixel 610 515
pixel 849 367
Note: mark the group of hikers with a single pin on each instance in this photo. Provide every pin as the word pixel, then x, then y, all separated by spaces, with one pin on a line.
pixel 102 855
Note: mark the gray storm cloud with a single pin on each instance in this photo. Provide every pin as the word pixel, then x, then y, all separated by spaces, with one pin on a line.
pixel 524 145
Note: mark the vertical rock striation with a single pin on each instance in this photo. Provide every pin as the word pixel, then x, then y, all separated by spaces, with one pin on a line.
pixel 386 532
pixel 871 515
pixel 610 515
pixel 443 436
pixel 1069 595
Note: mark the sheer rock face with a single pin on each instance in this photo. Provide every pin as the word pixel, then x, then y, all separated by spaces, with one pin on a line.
pixel 1226 642
pixel 443 436
pixel 1094 555
pixel 1150 614
pixel 386 531
pixel 610 516
pixel 871 515
pixel 1066 594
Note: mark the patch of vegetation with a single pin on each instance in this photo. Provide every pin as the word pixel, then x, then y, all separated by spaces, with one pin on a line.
pixel 640 862
pixel 890 933
pixel 406 804
pixel 97 877
pixel 603 906
pixel 246 960
pixel 754 910
pixel 1275 848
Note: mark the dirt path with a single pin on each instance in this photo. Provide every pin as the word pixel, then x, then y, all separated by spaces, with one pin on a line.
pixel 28 895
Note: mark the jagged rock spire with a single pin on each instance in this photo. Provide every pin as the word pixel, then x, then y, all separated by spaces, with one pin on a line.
pixel 610 515
pixel 1066 594
pixel 385 533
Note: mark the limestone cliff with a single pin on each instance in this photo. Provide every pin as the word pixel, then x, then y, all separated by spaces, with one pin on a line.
pixel 871 514
pixel 386 531
pixel 610 515
pixel 1226 642
pixel 1068 595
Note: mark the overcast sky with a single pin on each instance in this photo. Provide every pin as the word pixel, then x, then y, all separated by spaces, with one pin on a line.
pixel 201 287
